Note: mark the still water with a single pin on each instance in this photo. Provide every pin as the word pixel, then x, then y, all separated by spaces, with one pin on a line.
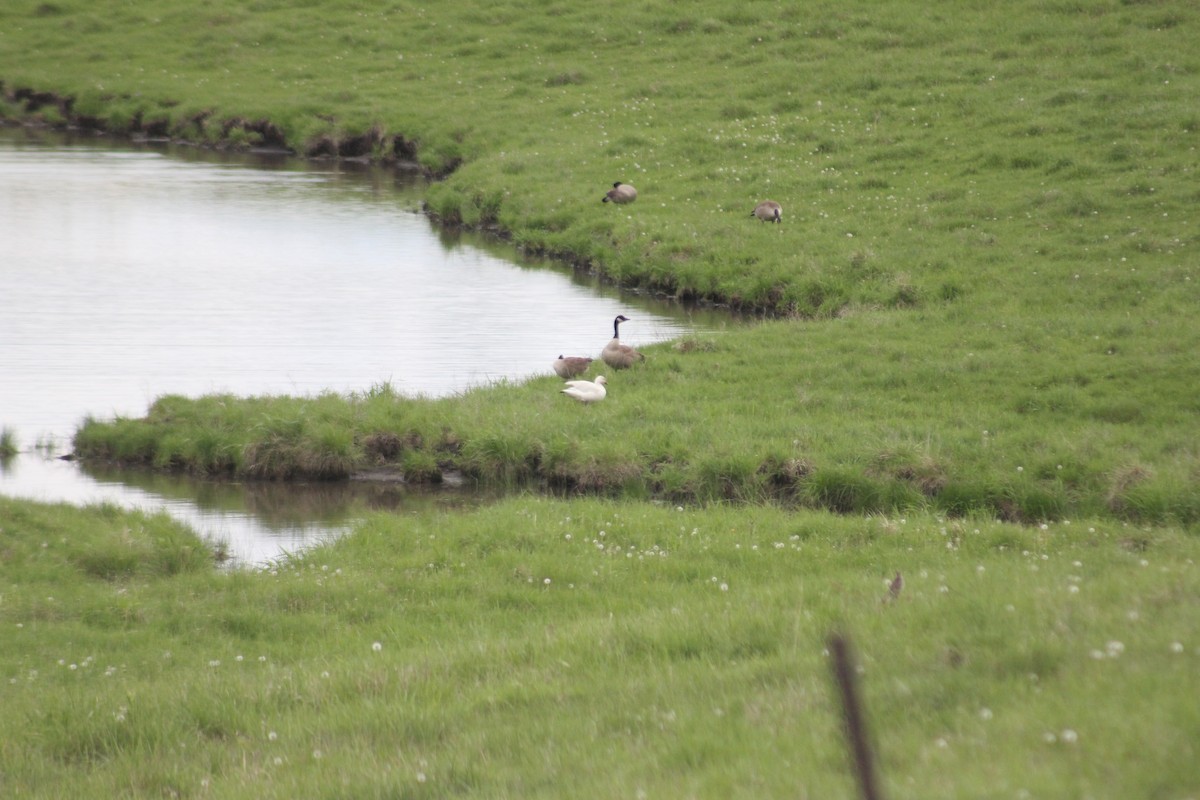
pixel 130 272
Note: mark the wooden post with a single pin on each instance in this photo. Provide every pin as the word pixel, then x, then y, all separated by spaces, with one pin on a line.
pixel 854 717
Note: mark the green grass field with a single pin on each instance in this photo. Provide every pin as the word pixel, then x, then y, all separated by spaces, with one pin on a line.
pixel 546 648
pixel 982 312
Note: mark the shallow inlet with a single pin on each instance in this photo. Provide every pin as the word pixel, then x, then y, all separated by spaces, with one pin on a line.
pixel 129 272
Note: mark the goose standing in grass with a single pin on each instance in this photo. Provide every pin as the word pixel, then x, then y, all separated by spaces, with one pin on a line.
pixel 620 193
pixel 768 211
pixel 587 392
pixel 571 366
pixel 617 355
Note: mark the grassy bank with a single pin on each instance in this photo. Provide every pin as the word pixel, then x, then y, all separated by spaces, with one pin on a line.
pixel 920 153
pixel 540 648
pixel 987 253
pixel 866 418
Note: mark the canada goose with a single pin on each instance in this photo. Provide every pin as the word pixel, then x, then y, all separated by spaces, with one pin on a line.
pixel 586 391
pixel 617 355
pixel 620 193
pixel 768 211
pixel 571 366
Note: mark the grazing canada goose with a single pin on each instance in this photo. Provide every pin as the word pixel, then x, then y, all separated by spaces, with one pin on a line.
pixel 571 366
pixel 620 193
pixel 586 391
pixel 768 211
pixel 617 355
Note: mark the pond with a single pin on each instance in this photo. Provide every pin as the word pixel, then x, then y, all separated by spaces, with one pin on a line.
pixel 132 271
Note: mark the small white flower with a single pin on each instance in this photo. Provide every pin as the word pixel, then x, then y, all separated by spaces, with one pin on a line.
pixel 1114 648
pixel 377 646
pixel 724 587
pixel 272 736
pixel 1176 647
pixel 985 714
pixel 546 582
pixel 1069 736
pixel 421 777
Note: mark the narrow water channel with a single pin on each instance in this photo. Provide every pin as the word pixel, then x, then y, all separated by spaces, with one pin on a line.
pixel 128 272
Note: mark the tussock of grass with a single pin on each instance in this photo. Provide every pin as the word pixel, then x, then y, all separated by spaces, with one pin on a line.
pixel 105 543
pixel 596 648
pixel 8 443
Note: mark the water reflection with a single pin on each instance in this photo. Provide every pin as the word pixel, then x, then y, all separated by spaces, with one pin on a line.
pixel 128 273
pixel 253 522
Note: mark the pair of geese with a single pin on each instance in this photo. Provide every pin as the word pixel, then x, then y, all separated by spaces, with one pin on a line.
pixel 616 354
pixel 622 193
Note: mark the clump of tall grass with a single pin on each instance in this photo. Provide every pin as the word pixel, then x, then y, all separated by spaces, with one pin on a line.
pixel 105 543
pixel 8 443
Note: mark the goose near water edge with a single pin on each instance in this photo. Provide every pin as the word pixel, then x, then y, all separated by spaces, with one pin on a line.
pixel 587 392
pixel 617 355
pixel 571 366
